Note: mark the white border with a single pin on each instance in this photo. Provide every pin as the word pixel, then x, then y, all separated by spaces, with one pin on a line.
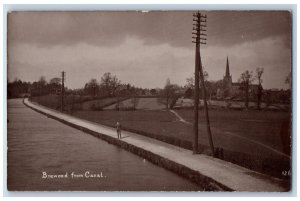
pixel 263 5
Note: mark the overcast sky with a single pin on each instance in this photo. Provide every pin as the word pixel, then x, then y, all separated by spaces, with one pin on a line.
pixel 145 49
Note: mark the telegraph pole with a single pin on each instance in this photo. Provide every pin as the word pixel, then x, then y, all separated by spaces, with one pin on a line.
pixel 63 75
pixel 196 94
pixel 200 38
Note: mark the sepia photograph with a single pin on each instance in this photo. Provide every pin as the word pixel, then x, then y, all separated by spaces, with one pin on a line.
pixel 150 101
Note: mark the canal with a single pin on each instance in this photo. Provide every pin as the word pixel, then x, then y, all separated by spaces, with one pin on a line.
pixel 44 154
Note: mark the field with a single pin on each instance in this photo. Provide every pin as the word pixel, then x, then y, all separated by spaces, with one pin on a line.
pixel 99 104
pixel 252 139
pixel 142 104
pixel 266 127
pixel 263 127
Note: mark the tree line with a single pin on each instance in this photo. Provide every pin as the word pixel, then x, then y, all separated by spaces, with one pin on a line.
pixel 110 86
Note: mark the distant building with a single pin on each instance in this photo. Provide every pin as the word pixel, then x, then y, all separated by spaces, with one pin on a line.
pixel 231 89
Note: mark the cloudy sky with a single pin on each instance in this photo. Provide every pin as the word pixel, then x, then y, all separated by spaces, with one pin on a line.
pixel 145 49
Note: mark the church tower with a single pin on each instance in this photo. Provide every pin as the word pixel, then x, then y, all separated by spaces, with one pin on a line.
pixel 227 69
pixel 227 80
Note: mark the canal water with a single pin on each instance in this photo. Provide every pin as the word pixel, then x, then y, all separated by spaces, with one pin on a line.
pixel 46 155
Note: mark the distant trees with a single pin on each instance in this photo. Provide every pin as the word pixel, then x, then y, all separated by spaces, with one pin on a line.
pixel 17 88
pixel 41 84
pixel 55 85
pixel 246 79
pixel 211 86
pixel 188 93
pixel 92 88
pixel 42 87
pixel 259 72
pixel 42 81
pixel 273 96
pixel 39 88
pixel 190 81
pixel 153 92
pixel 110 84
pixel 55 80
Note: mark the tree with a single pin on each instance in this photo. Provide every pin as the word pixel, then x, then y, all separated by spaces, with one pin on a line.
pixel 153 92
pixel 54 85
pixel 246 79
pixel 17 88
pixel 210 85
pixel 190 82
pixel 42 85
pixel 55 80
pixel 42 81
pixel 259 72
pixel 110 84
pixel 92 87
pixel 169 94
pixel 188 93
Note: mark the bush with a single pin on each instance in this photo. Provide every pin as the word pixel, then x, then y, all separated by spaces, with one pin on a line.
pixel 96 107
pixel 173 102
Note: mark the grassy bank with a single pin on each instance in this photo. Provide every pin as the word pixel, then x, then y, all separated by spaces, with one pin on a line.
pixel 76 102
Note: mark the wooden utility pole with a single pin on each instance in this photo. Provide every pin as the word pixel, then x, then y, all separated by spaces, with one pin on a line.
pixel 200 38
pixel 63 74
pixel 196 93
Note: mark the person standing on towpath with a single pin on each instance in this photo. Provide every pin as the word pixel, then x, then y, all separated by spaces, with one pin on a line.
pixel 118 127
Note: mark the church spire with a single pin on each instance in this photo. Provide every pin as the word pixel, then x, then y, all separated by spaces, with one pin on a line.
pixel 227 69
